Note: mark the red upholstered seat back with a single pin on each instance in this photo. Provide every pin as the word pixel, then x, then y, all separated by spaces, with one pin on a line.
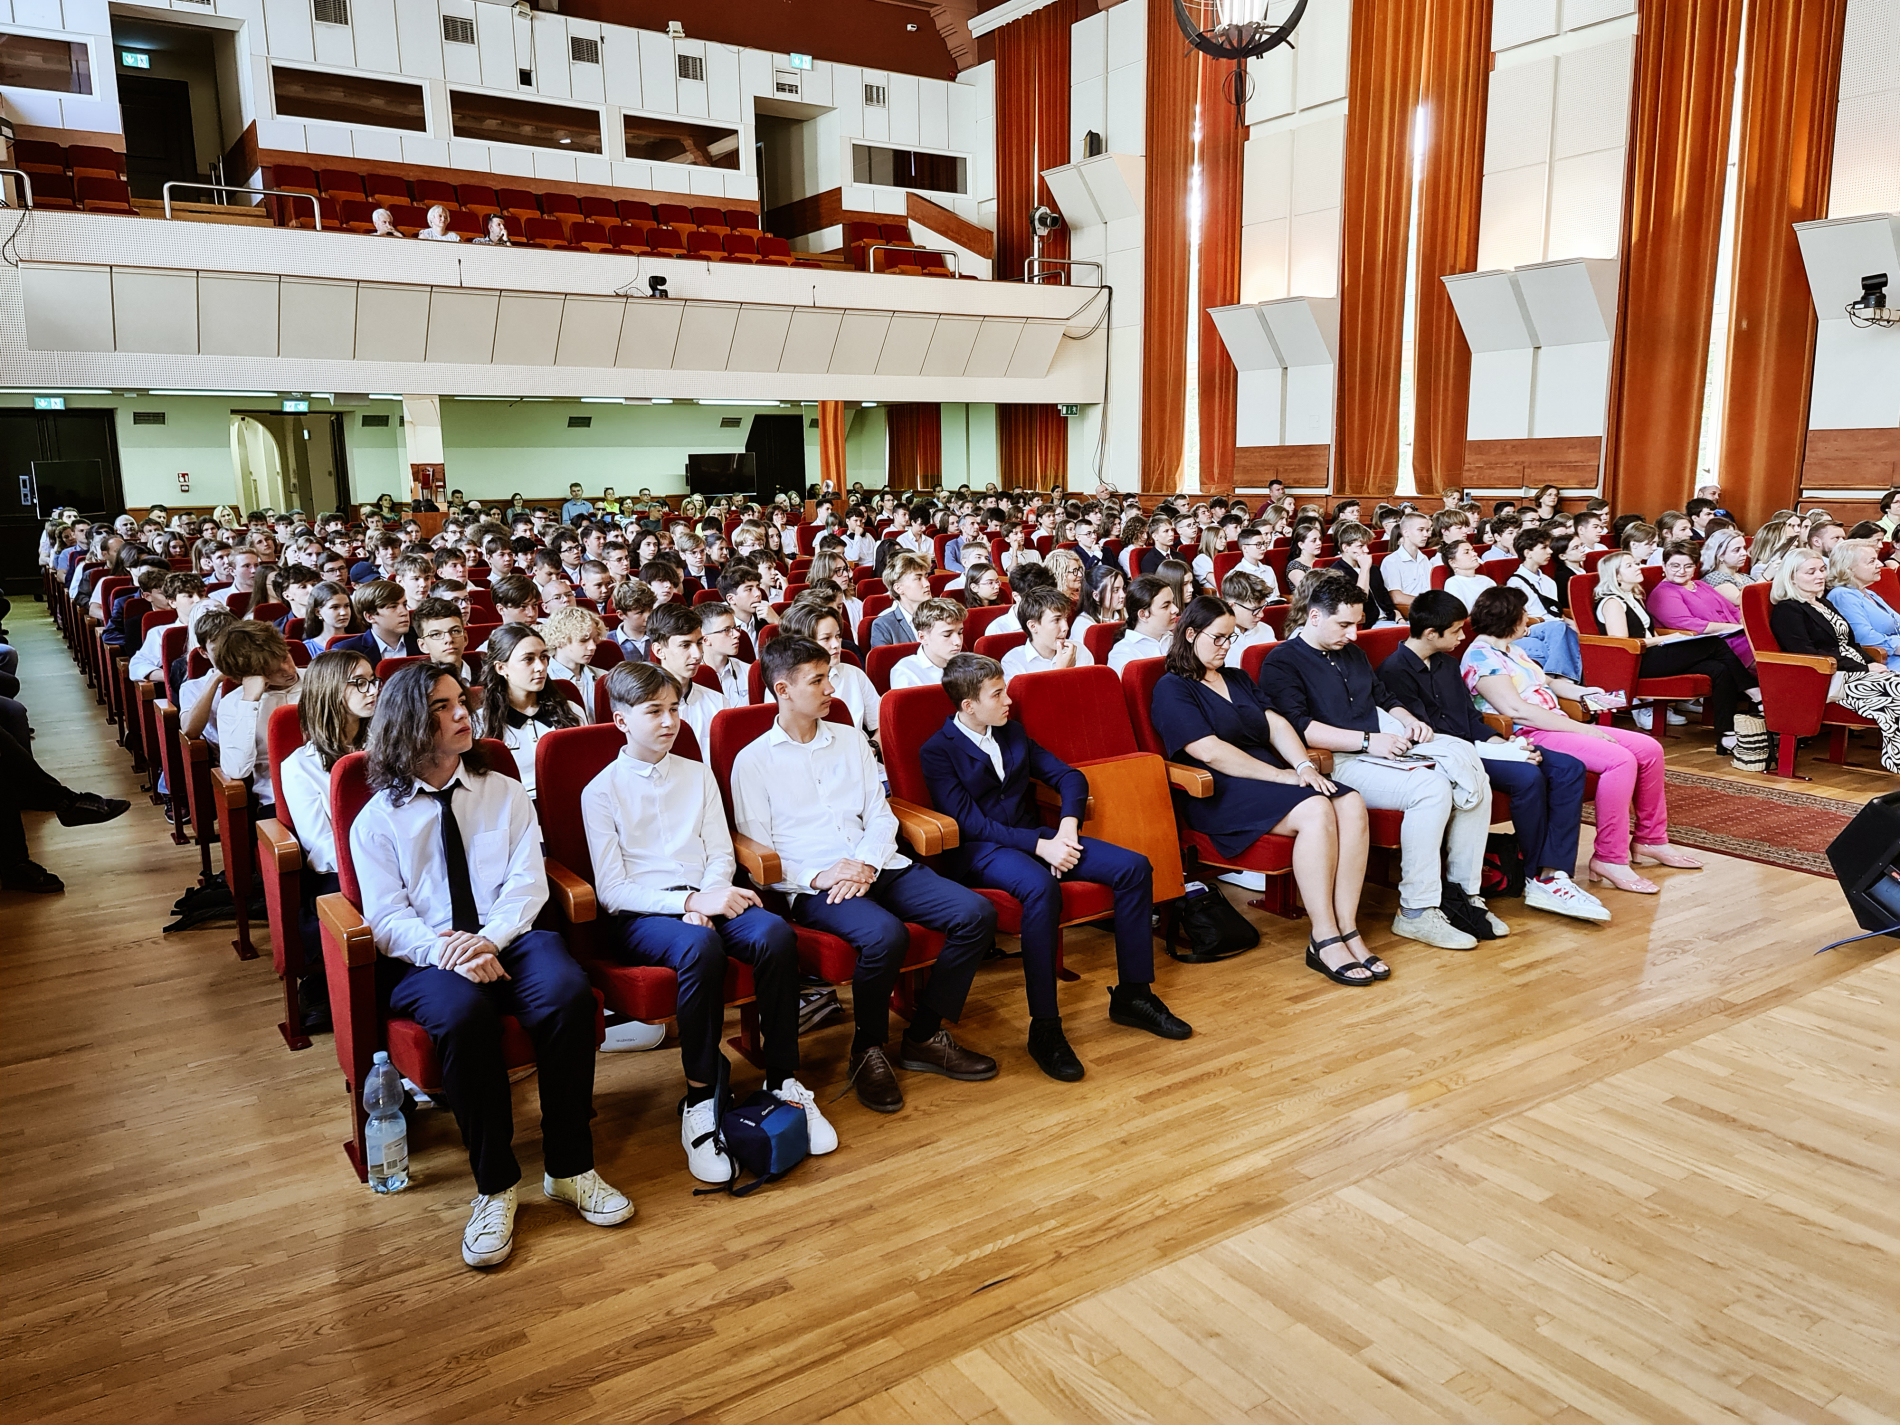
pixel 1583 604
pixel 977 621
pixel 156 618
pixel 565 761
pixel 735 728
pixel 1379 644
pixel 1252 658
pixel 350 792
pixel 1076 713
pixel 1099 638
pixel 995 645
pixel 389 667
pixel 1755 608
pixel 907 719
pixel 282 737
pixel 1138 695
pixel 879 662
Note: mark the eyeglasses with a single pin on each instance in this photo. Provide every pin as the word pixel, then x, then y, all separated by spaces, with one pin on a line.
pixel 440 635
pixel 360 684
pixel 1219 640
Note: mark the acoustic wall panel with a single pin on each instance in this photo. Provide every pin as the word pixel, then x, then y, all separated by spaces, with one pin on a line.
pixel 67 308
pixel 1035 349
pixel 1245 336
pixel 590 331
pixel 316 319
pixel 905 344
pixel 392 322
pixel 155 310
pixel 860 341
pixel 462 325
pixel 705 341
pixel 758 340
pixel 994 345
pixel 528 328
pixel 237 314
pixel 1305 329
pixel 810 340
pixel 1570 302
pixel 649 330
pixel 950 345
pixel 1490 311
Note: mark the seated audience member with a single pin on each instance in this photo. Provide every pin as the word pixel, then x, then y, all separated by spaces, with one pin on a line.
pixel 679 647
pixel 810 619
pixel 1407 570
pixel 1029 578
pixel 243 577
pixel 413 574
pixel 1253 560
pixel 633 601
pixel 1308 538
pixel 554 595
pixel 979 766
pixel 381 606
pixel 438 228
pixel 256 655
pixel 1462 579
pixel 1724 555
pixel 198 697
pixel 1545 786
pixel 1685 602
pixel 907 580
pixel 1151 609
pixel 1357 559
pixel 385 224
pixel 184 593
pixel 26 786
pixel 939 639
pixel 448 860
pixel 516 706
pixel 1216 718
pixel 811 790
pixel 1629 766
pixel 1245 597
pixel 1104 587
pixel 1852 571
pixel 1623 613
pixel 496 234
pixel 337 696
pixel 1319 680
pixel 1163 539
pixel 719 647
pixel 1805 622
pixel 740 590
pixel 663 867
pixel 982 585
pixel 1045 618
pixel 1639 541
pixel 442 636
pixel 572 635
pixel 661 576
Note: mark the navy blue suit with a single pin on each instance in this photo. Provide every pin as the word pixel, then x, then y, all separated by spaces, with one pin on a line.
pixel 365 644
pixel 1000 825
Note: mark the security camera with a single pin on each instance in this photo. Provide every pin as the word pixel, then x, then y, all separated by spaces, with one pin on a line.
pixel 656 286
pixel 1045 219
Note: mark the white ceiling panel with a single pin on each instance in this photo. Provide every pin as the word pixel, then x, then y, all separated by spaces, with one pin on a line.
pixel 649 330
pixel 392 322
pixel 316 319
pixel 237 314
pixel 950 345
pixel 67 308
pixel 994 345
pixel 705 336
pixel 810 341
pixel 1035 349
pixel 905 344
pixel 759 338
pixel 528 328
pixel 860 340
pixel 590 331
pixel 462 325
pixel 155 310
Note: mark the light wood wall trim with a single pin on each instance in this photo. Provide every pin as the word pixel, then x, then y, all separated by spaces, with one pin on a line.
pixel 960 230
pixel 1300 466
pixel 269 156
pixel 1852 460
pixel 1569 461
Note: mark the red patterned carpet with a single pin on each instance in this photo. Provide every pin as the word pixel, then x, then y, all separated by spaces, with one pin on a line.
pixel 1767 821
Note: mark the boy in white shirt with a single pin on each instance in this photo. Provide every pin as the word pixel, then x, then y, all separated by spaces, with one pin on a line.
pixel 572 635
pixel 1407 570
pixel 678 647
pixel 243 577
pixel 939 639
pixel 1151 611
pixel 258 657
pixel 663 867
pixel 633 601
pixel 1246 596
pixel 719 643
pixel 1045 615
pixel 849 683
pixel 1253 560
pixel 186 595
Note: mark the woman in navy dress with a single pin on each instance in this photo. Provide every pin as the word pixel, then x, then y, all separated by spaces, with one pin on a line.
pixel 1216 718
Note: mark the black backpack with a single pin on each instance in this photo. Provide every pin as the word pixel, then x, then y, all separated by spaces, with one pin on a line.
pixel 1206 922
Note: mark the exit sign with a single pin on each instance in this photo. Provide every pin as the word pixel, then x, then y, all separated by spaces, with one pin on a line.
pixel 132 59
pixel 296 407
pixel 49 403
pixel 800 61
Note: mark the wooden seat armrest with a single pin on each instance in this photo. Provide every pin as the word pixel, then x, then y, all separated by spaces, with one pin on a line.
pixel 1662 630
pixel 1575 710
pixel 1500 724
pixel 575 895
pixel 1824 666
pixel 1049 799
pixel 277 848
pixel 232 793
pixel 760 861
pixel 1873 654
pixel 928 832
pixel 1195 781
pixel 1603 640
pixel 352 932
pixel 148 691
pixel 1322 760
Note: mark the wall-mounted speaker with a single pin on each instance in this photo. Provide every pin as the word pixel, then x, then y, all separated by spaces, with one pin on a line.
pixel 1866 860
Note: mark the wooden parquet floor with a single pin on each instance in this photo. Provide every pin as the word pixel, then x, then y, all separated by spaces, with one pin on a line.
pixel 183 1240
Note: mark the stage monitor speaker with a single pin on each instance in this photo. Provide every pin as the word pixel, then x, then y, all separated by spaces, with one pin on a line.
pixel 1866 860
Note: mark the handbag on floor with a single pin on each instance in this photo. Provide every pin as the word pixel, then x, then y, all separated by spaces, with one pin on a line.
pixel 1753 746
pixel 1206 921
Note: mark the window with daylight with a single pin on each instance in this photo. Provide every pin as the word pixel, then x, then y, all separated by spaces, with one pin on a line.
pixel 670 141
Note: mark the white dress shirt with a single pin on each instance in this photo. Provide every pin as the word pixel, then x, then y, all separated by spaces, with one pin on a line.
pixel 697 708
pixel 915 671
pixel 243 737
pixel 1008 623
pixel 735 681
pixel 397 851
pixel 815 803
pixel 1406 573
pixel 853 687
pixel 1024 659
pixel 675 834
pixel 860 549
pixel 985 741
pixel 205 685
pixel 521 741
pixel 150 657
pixel 303 790
pixel 1132 645
pixel 1261 632
pixel 223 596
pixel 582 678
pixel 1260 571
pixel 1466 588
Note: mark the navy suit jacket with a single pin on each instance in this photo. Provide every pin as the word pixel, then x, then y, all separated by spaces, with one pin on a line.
pixel 365 644
pixel 964 785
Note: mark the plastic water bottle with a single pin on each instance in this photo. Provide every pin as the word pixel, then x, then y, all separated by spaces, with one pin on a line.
pixel 386 1136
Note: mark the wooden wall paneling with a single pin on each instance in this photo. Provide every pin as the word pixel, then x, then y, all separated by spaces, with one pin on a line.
pixel 1301 466
pixel 1850 460
pixel 1791 82
pixel 1682 96
pixel 1168 131
pixel 1569 462
pixel 1222 141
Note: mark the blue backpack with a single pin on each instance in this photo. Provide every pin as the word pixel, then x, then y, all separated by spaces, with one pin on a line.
pixel 762 1135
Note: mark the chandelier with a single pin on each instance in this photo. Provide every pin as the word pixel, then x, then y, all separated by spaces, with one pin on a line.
pixel 1240 32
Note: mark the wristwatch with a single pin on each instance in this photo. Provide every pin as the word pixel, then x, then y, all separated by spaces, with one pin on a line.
pixel 1365 742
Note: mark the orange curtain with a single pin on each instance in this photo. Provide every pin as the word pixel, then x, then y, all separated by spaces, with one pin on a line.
pixel 1453 88
pixel 1172 67
pixel 831 443
pixel 1032 129
pixel 1680 109
pixel 1383 80
pixel 1222 138
pixel 916 445
pixel 1032 447
pixel 1791 81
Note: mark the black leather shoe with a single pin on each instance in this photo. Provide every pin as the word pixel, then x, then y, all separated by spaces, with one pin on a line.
pixel 31 877
pixel 89 809
pixel 1139 1007
pixel 1049 1047
pixel 877 1086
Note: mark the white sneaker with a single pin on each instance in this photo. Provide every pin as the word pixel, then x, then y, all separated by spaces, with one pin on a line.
pixel 1498 927
pixel 1562 896
pixel 526 1071
pixel 824 1138
pixel 589 1195
pixel 703 1158
pixel 416 1092
pixel 1675 719
pixel 1644 717
pixel 490 1234
pixel 1431 928
pixel 633 1036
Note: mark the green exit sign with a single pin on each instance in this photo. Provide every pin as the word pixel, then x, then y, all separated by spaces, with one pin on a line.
pixel 49 403
pixel 800 61
pixel 132 59
pixel 296 407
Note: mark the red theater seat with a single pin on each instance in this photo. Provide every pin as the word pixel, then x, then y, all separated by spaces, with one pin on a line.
pixel 475 198
pixel 563 206
pixel 699 244
pixel 293 178
pixel 408 218
pixel 95 161
pixel 666 241
pixel 709 219
pixel 739 220
pixel 386 187
pixel 627 239
pixel 105 195
pixel 37 156
pixel 53 190
pixel 430 191
pixel 591 236
pixel 635 212
pixel 673 215
pixel 518 201
pixel 357 214
pixel 600 210
pixel 341 183
pixel 740 248
pixel 544 232
pixel 775 250
pixel 467 224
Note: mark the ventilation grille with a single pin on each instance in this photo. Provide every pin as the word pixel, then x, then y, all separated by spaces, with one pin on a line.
pixel 458 31
pixel 579 422
pixel 782 85
pixel 375 422
pixel 812 424
pixel 875 96
pixel 692 67
pixel 205 3
pixel 148 418
pixel 331 12
pixel 583 51
pixel 728 423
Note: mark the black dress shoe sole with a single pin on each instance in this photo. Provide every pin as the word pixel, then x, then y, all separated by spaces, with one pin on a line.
pixel 1070 1073
pixel 1178 1029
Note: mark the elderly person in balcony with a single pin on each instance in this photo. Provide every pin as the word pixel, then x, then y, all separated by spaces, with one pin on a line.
pixel 385 222
pixel 1804 622
pixel 438 229
pixel 1852 571
pixel 1683 601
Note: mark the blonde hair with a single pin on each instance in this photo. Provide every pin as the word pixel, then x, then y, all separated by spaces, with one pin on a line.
pixel 571 625
pixel 1715 546
pixel 1783 588
pixel 900 567
pixel 932 612
pixel 1840 564
pixel 1059 561
pixel 248 649
pixel 1609 586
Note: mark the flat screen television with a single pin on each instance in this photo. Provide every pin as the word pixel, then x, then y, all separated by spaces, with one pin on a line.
pixel 735 473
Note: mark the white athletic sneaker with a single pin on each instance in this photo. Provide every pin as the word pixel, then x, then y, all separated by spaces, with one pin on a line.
pixel 1674 718
pixel 704 1160
pixel 490 1234
pixel 824 1138
pixel 1562 896
pixel 415 1092
pixel 1498 927
pixel 1431 928
pixel 1644 717
pixel 633 1036
pixel 589 1195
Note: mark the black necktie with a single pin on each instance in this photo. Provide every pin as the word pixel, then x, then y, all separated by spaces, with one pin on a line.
pixel 455 859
